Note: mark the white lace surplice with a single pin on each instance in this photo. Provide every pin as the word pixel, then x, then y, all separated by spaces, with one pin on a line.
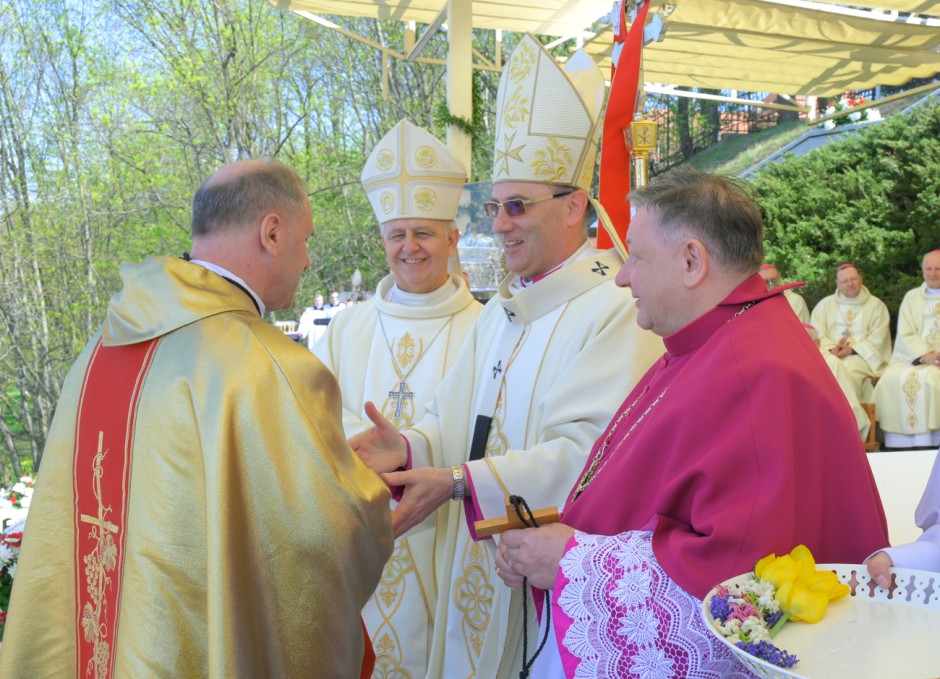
pixel 618 614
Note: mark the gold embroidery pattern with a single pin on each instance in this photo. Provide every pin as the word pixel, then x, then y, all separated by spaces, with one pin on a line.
pixel 911 387
pixel 507 153
pixel 497 443
pixel 523 59
pixel 516 108
pixel 553 161
pixel 425 157
pixel 425 199
pixel 98 563
pixel 385 159
pixel 587 170
pixel 405 352
pixel 387 201
pixel 399 406
pixel 473 596
pixel 388 598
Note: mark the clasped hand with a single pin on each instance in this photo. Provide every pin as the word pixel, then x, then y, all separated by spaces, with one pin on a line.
pixel 383 449
pixel 533 553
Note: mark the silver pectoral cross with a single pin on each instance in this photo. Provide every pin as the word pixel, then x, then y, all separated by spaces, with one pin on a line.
pixel 400 396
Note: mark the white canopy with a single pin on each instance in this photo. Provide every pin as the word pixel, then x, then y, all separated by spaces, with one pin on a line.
pixel 781 46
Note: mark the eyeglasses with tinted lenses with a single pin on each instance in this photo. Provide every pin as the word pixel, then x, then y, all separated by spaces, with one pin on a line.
pixel 516 206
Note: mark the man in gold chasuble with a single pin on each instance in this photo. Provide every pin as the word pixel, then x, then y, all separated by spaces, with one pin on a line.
pixel 394 350
pixel 549 358
pixel 198 512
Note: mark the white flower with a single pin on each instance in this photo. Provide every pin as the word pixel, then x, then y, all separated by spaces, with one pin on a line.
pixel 12 570
pixel 6 555
pixel 15 526
pixel 755 629
pixel 732 628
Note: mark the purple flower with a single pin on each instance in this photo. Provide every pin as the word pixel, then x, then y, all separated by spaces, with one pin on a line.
pixel 767 651
pixel 720 608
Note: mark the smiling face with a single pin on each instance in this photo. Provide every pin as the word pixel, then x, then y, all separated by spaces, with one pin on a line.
pixel 417 251
pixel 653 274
pixel 849 281
pixel 546 235
pixel 931 270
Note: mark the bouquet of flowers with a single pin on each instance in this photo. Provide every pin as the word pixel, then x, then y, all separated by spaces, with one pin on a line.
pixel 781 589
pixel 10 540
pixel 19 491
pixel 844 104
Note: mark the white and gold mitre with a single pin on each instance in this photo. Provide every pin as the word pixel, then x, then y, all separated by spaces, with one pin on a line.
pixel 547 118
pixel 410 174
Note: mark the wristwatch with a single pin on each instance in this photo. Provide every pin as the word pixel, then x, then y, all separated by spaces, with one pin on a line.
pixel 460 482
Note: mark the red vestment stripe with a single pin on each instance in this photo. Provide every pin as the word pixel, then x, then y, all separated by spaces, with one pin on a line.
pixel 621 102
pixel 368 654
pixel 104 433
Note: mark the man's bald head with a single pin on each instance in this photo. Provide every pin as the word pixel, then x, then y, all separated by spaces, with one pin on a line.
pixel 239 194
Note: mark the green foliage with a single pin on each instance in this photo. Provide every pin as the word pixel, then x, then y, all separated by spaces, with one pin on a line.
pixel 113 111
pixel 872 198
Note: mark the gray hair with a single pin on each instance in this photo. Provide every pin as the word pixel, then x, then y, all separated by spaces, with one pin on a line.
pixel 239 200
pixel 719 211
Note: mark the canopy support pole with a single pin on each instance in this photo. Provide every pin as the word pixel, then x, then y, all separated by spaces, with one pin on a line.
pixel 460 76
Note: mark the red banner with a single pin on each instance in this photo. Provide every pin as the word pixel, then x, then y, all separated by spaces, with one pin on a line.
pixel 621 104
pixel 100 476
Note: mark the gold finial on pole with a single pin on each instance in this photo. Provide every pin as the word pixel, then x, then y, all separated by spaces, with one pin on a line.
pixel 641 139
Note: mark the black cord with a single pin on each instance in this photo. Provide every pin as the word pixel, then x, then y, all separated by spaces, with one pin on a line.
pixel 529 521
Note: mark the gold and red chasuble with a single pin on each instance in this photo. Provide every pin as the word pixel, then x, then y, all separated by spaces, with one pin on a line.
pixel 101 474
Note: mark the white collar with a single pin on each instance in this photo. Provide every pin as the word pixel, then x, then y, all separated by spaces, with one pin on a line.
pixel 225 273
pixel 398 296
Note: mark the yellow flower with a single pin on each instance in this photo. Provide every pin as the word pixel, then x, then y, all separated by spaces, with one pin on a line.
pixel 800 588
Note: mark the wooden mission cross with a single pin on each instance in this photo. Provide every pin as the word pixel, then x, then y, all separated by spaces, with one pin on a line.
pixel 487 527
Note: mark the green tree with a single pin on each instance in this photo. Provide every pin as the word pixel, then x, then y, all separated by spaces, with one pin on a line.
pixel 872 199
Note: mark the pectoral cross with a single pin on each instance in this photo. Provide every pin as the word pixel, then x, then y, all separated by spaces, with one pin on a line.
pixel 487 527
pixel 400 396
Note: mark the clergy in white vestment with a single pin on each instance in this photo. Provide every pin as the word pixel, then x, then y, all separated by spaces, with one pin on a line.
pixel 394 350
pixel 772 278
pixel 313 322
pixel 908 393
pixel 536 383
pixel 853 326
pixel 845 383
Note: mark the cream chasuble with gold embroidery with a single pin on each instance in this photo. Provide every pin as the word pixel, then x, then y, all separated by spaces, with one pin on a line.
pixel 574 352
pixel 841 373
pixel 395 355
pixel 864 321
pixel 907 397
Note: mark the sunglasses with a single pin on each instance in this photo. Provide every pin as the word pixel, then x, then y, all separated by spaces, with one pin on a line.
pixel 516 206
